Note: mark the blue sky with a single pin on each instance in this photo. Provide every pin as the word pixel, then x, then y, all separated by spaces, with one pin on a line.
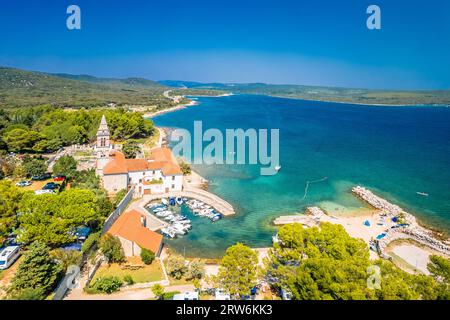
pixel 275 41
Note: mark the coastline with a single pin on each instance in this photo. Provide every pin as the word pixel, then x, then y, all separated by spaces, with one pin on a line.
pixel 172 109
pixel 354 223
pixel 387 229
pixel 364 104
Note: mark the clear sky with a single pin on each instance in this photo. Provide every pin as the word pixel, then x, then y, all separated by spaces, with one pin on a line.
pixel 313 42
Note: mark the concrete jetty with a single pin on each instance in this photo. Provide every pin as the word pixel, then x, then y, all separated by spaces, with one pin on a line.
pixel 209 198
pixel 311 218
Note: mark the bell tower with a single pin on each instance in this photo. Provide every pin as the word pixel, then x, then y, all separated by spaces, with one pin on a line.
pixel 103 146
pixel 103 141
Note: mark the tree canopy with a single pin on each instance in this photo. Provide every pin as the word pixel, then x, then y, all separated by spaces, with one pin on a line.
pixel 66 165
pixel 326 263
pixel 238 270
pixel 10 197
pixel 42 129
pixel 51 218
pixel 37 271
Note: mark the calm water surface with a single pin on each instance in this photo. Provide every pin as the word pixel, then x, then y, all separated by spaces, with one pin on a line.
pixel 395 151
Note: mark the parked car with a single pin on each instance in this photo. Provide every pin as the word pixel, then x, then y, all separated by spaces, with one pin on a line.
pixel 38 192
pixel 51 186
pixel 24 183
pixel 41 177
pixel 59 178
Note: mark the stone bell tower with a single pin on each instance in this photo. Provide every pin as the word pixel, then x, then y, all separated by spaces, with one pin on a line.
pixel 103 146
pixel 103 134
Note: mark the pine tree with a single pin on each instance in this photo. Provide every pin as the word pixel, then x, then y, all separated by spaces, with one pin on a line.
pixel 37 271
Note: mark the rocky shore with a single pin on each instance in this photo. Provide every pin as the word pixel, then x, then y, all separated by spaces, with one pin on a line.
pixel 408 228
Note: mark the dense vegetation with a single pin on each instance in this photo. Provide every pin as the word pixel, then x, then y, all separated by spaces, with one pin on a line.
pixel 50 218
pixel 10 197
pixel 37 275
pixel 327 263
pixel 20 88
pixel 238 270
pixel 364 96
pixel 45 128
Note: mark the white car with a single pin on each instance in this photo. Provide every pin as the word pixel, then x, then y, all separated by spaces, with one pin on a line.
pixel 24 183
pixel 38 192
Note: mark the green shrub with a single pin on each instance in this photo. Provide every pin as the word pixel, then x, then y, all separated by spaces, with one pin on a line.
pixel 107 284
pixel 112 248
pixel 28 294
pixel 169 295
pixel 90 242
pixel 176 266
pixel 66 257
pixel 147 256
pixel 128 280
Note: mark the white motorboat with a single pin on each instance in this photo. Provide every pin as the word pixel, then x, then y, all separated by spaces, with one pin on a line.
pixel 168 233
pixel 177 230
pixel 179 200
pixel 165 201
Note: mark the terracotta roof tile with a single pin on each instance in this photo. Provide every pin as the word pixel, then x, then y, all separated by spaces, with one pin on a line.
pixel 129 226
pixel 160 159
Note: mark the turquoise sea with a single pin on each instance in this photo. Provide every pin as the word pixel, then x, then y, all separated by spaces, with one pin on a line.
pixel 395 151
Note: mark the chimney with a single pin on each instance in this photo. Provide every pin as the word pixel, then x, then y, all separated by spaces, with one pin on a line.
pixel 143 221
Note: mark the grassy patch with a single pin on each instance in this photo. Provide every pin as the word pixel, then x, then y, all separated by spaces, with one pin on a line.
pixel 148 273
pixel 81 153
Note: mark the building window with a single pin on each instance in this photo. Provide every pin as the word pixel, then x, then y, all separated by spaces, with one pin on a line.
pixel 173 186
pixel 173 178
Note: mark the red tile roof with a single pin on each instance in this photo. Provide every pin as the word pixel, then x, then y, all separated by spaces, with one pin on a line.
pixel 160 159
pixel 129 226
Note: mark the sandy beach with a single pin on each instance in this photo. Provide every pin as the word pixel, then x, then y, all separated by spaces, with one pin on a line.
pixel 172 109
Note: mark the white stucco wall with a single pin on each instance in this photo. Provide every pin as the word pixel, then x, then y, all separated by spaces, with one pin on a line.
pixel 173 183
pixel 115 182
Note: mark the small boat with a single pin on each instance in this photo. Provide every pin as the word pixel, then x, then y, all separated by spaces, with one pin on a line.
pixel 168 233
pixel 179 200
pixel 216 217
pixel 277 168
pixel 164 201
pixel 177 230
pixel 422 194
pixel 172 201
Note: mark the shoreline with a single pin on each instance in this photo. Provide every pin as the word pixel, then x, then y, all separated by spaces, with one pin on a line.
pixel 182 106
pixel 171 109
pixel 390 232
pixel 360 103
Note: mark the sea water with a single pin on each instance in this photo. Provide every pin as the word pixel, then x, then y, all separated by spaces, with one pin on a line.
pixel 394 151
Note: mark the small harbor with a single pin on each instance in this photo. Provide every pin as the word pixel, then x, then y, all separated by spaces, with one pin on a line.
pixel 173 222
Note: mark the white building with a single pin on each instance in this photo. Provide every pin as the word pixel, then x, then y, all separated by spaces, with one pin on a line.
pixel 160 173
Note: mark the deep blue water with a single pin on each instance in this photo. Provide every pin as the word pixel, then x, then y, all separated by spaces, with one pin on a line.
pixel 395 151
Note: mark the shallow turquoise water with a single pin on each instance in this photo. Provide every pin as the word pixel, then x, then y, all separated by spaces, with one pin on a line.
pixel 395 151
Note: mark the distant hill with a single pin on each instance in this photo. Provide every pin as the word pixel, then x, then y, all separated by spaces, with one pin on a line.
pixel 135 82
pixel 26 88
pixel 349 95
